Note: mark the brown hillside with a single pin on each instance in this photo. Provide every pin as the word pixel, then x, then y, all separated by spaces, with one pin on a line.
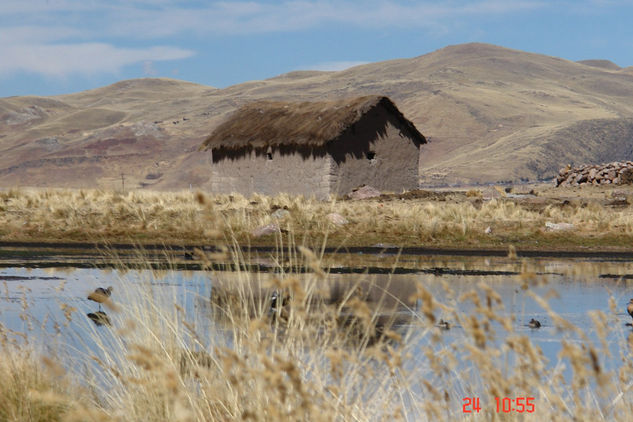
pixel 489 113
pixel 604 64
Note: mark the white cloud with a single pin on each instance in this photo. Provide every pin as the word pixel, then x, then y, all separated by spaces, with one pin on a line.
pixel 149 69
pixel 151 19
pixel 60 60
pixel 32 33
pixel 66 46
pixel 61 37
pixel 253 17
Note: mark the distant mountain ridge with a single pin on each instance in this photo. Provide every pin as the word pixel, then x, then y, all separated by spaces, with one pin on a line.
pixel 490 113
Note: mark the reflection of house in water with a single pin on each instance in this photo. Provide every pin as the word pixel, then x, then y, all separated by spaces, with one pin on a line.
pixel 315 148
pixel 393 298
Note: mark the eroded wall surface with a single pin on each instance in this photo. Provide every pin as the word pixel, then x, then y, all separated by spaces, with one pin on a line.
pixel 379 152
pixel 284 171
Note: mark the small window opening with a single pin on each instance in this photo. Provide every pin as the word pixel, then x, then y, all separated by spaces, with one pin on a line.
pixel 371 155
pixel 269 154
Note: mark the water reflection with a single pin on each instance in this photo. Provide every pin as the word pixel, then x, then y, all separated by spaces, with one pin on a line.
pixel 99 318
pixel 42 303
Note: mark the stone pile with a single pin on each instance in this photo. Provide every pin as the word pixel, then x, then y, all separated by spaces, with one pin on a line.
pixel 616 173
pixel 363 192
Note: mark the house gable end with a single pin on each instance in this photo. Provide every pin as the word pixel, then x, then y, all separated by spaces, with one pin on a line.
pixel 378 150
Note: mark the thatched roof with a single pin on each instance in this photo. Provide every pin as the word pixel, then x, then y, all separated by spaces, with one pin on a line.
pixel 271 123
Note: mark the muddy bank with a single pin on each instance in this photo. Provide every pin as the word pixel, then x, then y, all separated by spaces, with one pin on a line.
pixel 357 260
pixel 34 249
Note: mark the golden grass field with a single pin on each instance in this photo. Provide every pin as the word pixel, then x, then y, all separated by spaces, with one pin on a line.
pixel 601 218
pixel 310 363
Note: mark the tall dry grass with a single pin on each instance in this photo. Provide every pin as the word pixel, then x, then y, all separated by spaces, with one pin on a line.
pixel 194 218
pixel 327 355
pixel 158 361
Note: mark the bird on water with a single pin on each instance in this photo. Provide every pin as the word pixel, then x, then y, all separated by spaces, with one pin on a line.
pixel 534 323
pixel 444 325
pixel 279 305
pixel 629 308
pixel 100 295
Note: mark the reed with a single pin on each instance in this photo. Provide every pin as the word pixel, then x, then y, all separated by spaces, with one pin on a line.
pixel 328 355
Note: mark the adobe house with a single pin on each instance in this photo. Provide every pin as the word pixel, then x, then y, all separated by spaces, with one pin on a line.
pixel 315 148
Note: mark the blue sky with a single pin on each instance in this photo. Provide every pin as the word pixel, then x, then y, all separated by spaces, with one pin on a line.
pixel 50 47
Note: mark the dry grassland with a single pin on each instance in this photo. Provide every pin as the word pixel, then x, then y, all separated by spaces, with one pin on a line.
pixel 453 220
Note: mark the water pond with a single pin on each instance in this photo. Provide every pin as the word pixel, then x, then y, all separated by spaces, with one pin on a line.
pixel 35 299
pixel 50 306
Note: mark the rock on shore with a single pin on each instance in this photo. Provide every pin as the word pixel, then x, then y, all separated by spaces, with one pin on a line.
pixel 616 173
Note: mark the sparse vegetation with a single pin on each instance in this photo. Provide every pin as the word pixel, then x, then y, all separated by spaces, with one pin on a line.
pixel 494 114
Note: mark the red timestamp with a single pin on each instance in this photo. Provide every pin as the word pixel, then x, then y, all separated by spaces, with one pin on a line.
pixel 504 404
pixel 518 404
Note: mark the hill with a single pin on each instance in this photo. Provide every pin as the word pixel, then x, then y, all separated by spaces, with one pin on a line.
pixel 490 114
